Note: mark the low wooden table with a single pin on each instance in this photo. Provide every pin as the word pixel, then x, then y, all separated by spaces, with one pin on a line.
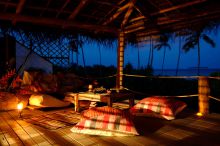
pixel 101 97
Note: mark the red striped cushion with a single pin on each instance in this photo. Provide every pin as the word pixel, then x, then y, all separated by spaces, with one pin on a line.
pixel 162 107
pixel 112 122
pixel 97 111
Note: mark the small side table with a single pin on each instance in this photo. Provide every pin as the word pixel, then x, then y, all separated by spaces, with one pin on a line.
pixel 100 97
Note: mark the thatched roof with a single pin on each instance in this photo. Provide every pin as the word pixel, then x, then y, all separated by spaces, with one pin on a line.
pixel 105 18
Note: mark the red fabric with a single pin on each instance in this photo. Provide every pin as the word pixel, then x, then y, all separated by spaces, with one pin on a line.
pixel 163 107
pixel 98 111
pixel 106 121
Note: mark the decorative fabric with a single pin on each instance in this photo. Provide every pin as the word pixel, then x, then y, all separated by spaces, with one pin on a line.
pixel 56 120
pixel 110 122
pixel 162 107
pixel 98 111
pixel 43 100
pixel 8 101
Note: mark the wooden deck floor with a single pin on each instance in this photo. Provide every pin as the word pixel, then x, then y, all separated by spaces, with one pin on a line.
pixel 186 130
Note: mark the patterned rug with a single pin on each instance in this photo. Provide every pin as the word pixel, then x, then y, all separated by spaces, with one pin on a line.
pixel 56 120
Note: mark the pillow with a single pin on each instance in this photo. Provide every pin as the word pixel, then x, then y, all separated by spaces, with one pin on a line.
pixel 8 101
pixel 161 107
pixel 43 100
pixel 98 111
pixel 106 123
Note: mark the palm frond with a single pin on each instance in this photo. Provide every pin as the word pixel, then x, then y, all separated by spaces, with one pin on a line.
pixel 208 40
pixel 158 46
pixel 189 45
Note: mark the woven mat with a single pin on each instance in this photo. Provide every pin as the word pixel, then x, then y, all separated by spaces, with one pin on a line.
pixel 56 120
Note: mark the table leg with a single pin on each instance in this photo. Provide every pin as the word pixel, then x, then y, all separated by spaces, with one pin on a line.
pixel 131 101
pixel 76 102
pixel 109 101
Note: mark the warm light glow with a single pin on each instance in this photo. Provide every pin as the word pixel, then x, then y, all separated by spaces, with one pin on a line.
pixel 20 106
pixel 199 114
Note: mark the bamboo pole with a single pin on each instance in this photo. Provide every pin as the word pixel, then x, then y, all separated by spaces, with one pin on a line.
pixel 120 60
pixel 204 92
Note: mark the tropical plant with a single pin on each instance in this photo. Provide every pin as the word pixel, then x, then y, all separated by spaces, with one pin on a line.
pixel 193 39
pixel 75 45
pixel 179 54
pixel 151 54
pixel 163 43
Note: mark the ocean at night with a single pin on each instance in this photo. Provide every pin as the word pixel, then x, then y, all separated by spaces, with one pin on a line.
pixel 185 72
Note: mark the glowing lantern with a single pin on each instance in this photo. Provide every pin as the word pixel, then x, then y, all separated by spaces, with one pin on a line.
pixel 20 107
pixel 199 114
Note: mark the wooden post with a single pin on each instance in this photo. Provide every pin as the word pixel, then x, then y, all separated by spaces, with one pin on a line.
pixel 204 92
pixel 120 60
pixel 76 102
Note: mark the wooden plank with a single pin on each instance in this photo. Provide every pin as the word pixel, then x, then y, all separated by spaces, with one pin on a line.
pixel 64 5
pixel 3 138
pixel 118 12
pixel 14 131
pixel 20 6
pixel 20 131
pixel 58 23
pixel 190 3
pixel 128 13
pixel 76 11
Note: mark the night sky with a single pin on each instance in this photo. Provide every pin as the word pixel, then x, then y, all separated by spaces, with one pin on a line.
pixel 209 56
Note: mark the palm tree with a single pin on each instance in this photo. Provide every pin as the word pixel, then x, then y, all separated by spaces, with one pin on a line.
pixel 75 45
pixel 178 59
pixel 193 40
pixel 163 43
pixel 151 53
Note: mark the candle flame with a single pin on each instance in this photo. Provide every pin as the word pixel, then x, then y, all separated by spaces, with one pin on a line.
pixel 20 106
pixel 199 114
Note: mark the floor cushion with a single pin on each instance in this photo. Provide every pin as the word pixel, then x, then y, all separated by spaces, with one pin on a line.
pixel 161 107
pixel 109 122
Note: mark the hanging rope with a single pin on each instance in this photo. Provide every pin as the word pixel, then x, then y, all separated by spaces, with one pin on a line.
pixel 179 96
pixel 142 76
pixel 214 98
pixel 110 76
pixel 218 78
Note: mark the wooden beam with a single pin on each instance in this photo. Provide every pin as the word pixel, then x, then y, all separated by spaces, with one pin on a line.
pixel 119 11
pixel 57 23
pixel 44 9
pixel 178 7
pixel 18 9
pixel 135 25
pixel 110 11
pixel 20 6
pixel 137 19
pixel 64 5
pixel 128 13
pixel 81 5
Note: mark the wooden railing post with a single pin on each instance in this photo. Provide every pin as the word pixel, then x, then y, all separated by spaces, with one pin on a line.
pixel 203 96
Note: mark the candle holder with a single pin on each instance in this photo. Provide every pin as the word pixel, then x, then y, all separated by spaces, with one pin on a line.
pixel 20 108
pixel 90 88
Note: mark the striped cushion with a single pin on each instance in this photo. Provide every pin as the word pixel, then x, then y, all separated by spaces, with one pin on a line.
pixel 97 111
pixel 105 124
pixel 162 107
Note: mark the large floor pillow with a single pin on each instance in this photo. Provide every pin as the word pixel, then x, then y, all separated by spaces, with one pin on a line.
pixel 44 100
pixel 8 101
pixel 161 107
pixel 105 121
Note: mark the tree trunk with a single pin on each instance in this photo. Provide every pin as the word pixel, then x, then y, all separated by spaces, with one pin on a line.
pixel 84 64
pixel 138 58
pixel 152 54
pixel 178 59
pixel 100 56
pixel 163 59
pixel 198 58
